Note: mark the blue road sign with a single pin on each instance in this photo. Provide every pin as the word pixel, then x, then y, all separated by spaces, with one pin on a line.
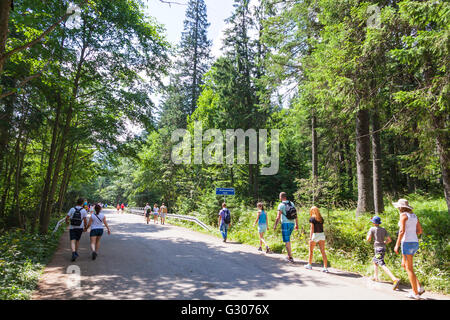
pixel 225 191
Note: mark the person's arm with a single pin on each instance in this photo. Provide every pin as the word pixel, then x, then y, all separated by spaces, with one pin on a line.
pixel 277 220
pixel 419 227
pixel 296 223
pixel 388 240
pixel 87 225
pixel 311 231
pixel 401 233
pixel 369 236
pixel 220 219
pixel 257 218
pixel 106 225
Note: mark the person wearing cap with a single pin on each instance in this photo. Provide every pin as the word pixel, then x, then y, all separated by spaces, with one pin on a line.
pixel 381 239
pixel 409 242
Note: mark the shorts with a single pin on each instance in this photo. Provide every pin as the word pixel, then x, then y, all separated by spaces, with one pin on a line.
pixel 75 234
pixel 262 228
pixel 318 237
pixel 155 215
pixel 147 215
pixel 286 231
pixel 409 248
pixel 163 215
pixel 379 256
pixel 96 232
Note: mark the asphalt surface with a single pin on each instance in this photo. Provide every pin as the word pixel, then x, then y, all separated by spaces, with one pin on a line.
pixel 140 261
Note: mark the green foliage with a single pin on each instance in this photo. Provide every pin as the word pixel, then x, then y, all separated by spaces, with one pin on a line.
pixel 23 256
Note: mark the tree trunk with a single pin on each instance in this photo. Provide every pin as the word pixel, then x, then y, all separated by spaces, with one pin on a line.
pixel 363 168
pixel 5 7
pixel 314 160
pixel 441 125
pixel 377 163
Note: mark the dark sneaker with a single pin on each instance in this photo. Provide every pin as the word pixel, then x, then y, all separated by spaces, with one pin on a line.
pixel 259 249
pixel 290 259
pixel 94 255
pixel 268 250
pixel 76 254
pixel 74 257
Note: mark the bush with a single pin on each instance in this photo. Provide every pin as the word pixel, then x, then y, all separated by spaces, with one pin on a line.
pixel 23 256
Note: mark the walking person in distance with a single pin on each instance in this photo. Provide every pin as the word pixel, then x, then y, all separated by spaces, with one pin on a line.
pixel 96 222
pixel 316 236
pixel 409 242
pixel 263 224
pixel 288 216
pixel 77 219
pixel 224 221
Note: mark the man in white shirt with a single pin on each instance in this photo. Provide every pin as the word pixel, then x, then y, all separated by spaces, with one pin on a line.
pixel 77 219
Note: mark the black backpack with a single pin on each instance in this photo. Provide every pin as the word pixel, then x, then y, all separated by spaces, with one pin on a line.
pixel 226 216
pixel 291 212
pixel 149 210
pixel 76 218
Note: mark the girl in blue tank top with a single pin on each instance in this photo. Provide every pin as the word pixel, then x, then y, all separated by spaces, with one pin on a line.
pixel 261 220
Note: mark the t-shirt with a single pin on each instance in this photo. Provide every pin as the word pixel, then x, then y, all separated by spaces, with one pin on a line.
pixel 318 226
pixel 378 234
pixel 83 215
pixel 282 208
pixel 155 210
pixel 146 208
pixel 222 215
pixel 97 221
pixel 262 218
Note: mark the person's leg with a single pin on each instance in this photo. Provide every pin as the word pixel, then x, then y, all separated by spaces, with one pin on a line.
pixel 261 239
pixel 93 241
pixel 97 243
pixel 73 245
pixel 289 249
pixel 411 275
pixel 312 244
pixel 324 255
pixel 389 273
pixel 77 245
pixel 375 272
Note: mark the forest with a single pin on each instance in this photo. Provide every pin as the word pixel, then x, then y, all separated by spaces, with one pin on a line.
pixel 92 93
pixel 359 91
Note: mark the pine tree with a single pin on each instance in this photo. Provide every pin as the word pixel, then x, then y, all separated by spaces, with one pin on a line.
pixel 194 52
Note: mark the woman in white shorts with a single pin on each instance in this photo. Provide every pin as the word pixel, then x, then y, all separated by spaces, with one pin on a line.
pixel 316 235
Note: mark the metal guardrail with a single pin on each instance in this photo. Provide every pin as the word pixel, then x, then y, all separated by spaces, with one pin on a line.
pixel 140 211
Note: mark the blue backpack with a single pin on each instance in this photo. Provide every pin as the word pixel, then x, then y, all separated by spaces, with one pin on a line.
pixel 226 216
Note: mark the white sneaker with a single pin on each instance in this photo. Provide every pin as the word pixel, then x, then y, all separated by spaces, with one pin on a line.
pixel 325 270
pixel 308 266
pixel 412 295
pixel 421 290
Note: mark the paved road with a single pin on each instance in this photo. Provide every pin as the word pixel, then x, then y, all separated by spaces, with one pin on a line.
pixel 140 261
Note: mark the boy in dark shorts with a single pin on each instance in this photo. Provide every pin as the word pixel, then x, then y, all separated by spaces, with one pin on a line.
pixel 379 235
pixel 77 219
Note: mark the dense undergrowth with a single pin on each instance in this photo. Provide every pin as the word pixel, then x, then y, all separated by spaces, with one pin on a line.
pixel 346 245
pixel 23 256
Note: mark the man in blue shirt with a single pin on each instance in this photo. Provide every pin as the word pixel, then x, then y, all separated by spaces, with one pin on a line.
pixel 287 225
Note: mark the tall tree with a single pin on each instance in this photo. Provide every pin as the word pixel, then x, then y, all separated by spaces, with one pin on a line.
pixel 194 53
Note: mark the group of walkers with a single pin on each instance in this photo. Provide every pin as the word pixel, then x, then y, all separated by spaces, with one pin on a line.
pixel 407 240
pixel 155 212
pixel 79 222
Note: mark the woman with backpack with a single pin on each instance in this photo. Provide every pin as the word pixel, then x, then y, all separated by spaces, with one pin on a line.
pixel 261 220
pixel 96 222
pixel 316 236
